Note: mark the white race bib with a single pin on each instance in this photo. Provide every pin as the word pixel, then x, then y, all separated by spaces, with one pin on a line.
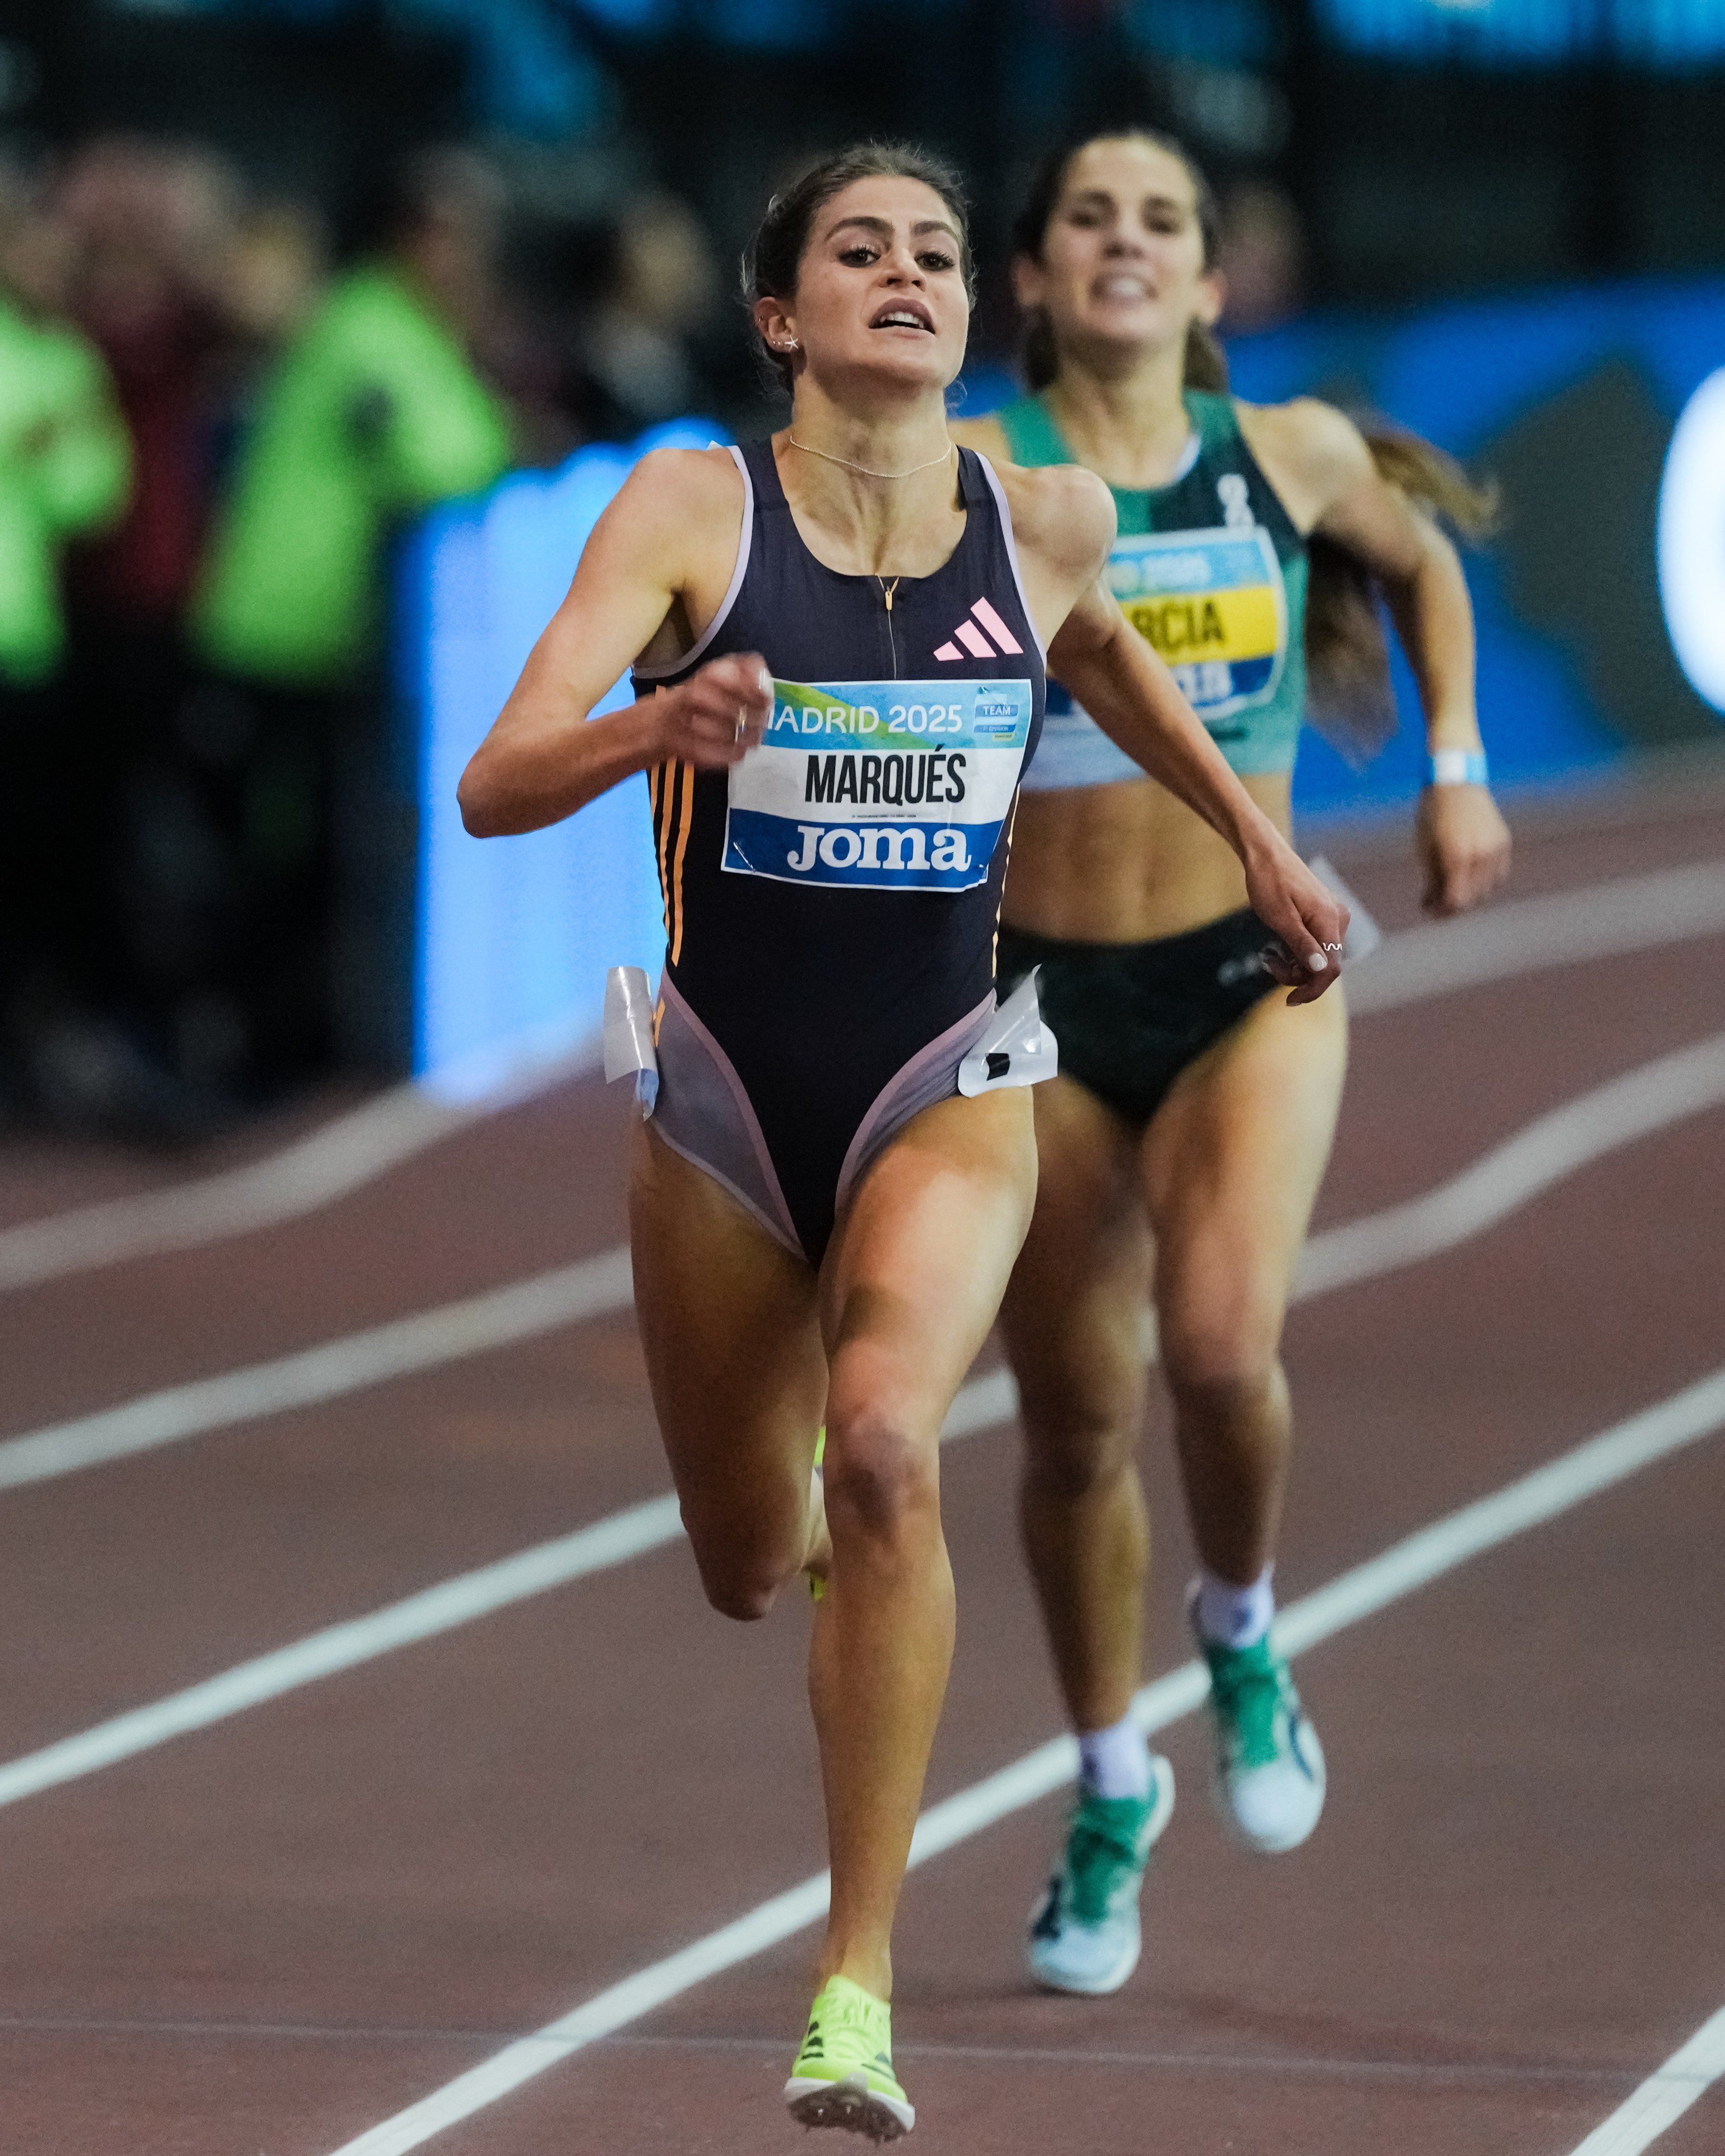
pixel 880 785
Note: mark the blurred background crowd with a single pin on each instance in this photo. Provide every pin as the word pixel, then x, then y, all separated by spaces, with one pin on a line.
pixel 278 276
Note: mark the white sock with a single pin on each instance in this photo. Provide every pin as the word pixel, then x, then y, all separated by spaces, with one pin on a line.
pixel 1230 1616
pixel 1115 1763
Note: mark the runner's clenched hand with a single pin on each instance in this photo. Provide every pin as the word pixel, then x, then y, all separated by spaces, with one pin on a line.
pixel 716 716
pixel 1309 920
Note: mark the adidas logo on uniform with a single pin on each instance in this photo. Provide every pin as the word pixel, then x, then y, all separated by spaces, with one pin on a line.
pixel 969 633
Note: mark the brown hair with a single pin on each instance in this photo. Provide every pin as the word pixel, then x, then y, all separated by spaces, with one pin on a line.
pixel 774 254
pixel 1206 363
pixel 1350 699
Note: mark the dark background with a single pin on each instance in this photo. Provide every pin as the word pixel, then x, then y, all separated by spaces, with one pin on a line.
pixel 1463 165
pixel 246 863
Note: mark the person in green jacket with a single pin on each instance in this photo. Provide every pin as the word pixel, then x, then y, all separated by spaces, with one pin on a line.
pixel 376 413
pixel 65 467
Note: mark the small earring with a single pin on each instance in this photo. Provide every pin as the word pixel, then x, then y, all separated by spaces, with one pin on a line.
pixel 789 345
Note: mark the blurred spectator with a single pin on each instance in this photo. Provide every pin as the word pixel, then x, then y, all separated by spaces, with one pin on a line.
pixel 273 277
pixel 64 462
pixel 274 273
pixel 635 348
pixel 1262 257
pixel 375 412
pixel 153 225
pixel 64 468
pixel 151 230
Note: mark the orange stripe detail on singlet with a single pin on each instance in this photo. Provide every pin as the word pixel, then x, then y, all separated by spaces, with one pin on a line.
pixel 662 780
pixel 684 824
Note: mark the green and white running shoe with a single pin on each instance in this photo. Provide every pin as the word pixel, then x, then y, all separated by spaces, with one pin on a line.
pixel 1084 1934
pixel 844 2072
pixel 1268 1784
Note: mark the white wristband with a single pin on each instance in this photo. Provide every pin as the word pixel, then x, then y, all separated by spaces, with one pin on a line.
pixel 1455 767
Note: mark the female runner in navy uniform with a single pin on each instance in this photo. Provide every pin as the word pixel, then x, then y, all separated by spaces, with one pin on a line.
pixel 1194 1108
pixel 839 637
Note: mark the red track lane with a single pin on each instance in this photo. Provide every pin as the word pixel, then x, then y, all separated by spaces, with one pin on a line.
pixel 534 1187
pixel 1411 1983
pixel 276 1933
pixel 537 1185
pixel 294 1521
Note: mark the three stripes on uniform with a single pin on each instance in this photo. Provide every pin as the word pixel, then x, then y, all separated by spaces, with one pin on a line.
pixel 665 782
pixel 971 636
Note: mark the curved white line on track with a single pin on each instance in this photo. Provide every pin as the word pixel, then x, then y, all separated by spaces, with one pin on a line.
pixel 1664 2097
pixel 342 1155
pixel 984 1404
pixel 440 1608
pixel 1400 1570
pixel 1564 928
pixel 346 1152
pixel 1685 1083
pixel 1555 1146
pixel 1602 920
pixel 495 1319
pixel 1551 1147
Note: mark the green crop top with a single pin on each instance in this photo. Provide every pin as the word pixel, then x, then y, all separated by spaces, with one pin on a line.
pixel 1210 569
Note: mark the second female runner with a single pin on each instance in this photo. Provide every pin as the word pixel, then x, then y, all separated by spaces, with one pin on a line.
pixel 1194 1108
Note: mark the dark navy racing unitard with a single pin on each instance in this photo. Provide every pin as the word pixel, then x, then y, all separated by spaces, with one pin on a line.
pixel 831 902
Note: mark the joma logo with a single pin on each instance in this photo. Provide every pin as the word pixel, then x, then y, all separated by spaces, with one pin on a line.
pixel 877 846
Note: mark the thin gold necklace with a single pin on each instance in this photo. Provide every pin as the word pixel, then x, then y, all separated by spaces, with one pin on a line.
pixel 864 468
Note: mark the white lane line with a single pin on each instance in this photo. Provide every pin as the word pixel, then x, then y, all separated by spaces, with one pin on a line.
pixel 1400 1570
pixel 1550 1147
pixel 1566 928
pixel 1360 1250
pixel 459 1601
pixel 1669 1090
pixel 348 1151
pixel 342 1155
pixel 1600 921
pixel 1664 2097
pixel 983 1404
pixel 520 1311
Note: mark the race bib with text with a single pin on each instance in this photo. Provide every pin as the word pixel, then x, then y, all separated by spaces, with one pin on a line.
pixel 1213 605
pixel 880 785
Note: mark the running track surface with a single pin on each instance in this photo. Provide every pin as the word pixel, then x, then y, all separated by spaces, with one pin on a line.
pixel 270 1936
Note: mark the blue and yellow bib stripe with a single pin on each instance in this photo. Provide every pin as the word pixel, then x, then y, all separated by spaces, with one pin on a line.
pixel 1211 572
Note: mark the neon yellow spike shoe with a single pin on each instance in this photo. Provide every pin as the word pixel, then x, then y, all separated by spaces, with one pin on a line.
pixel 843 2075
pixel 818 1580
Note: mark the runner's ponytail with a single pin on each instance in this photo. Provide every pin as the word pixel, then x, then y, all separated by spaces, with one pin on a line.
pixel 1348 697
